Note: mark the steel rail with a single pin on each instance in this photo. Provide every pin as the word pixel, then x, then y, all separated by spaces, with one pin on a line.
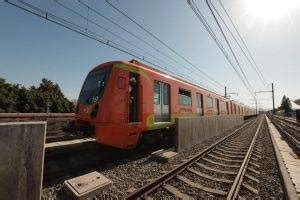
pixel 289 189
pixel 289 121
pixel 295 143
pixel 232 194
pixel 148 188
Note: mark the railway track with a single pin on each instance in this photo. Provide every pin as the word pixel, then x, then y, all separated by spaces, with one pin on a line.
pixel 227 169
pixel 289 130
pixel 289 120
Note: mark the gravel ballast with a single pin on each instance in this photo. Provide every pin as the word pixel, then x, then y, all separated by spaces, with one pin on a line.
pixel 129 174
pixel 270 183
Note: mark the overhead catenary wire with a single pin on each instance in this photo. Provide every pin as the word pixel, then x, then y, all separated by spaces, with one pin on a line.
pixel 202 19
pixel 208 2
pixel 84 31
pixel 107 30
pixel 81 30
pixel 162 42
pixel 237 42
pixel 111 32
pixel 126 30
pixel 203 74
pixel 244 43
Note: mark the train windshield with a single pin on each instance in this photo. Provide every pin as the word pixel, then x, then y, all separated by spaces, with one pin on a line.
pixel 93 86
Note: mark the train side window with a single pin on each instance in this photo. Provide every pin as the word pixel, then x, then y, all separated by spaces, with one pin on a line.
pixel 184 97
pixel 165 94
pixel 210 102
pixel 156 96
pixel 121 83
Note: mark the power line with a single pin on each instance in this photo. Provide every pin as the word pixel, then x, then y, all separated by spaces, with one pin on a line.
pixel 202 19
pixel 237 42
pixel 84 31
pixel 81 30
pixel 235 57
pixel 103 28
pixel 163 43
pixel 244 43
pixel 211 80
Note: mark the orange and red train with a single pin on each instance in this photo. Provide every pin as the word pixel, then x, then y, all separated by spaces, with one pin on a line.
pixel 120 101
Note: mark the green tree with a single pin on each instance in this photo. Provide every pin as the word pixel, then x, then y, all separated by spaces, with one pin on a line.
pixel 286 105
pixel 47 97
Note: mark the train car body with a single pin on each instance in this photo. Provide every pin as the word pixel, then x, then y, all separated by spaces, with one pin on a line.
pixel 119 101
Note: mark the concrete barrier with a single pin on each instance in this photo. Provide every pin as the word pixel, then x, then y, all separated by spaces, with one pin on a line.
pixel 21 159
pixel 192 131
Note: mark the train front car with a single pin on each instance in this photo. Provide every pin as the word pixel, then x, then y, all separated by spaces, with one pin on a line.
pixel 103 109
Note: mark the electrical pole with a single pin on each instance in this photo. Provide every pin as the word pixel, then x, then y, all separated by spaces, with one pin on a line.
pixel 255 100
pixel 227 94
pixel 272 91
pixel 256 106
pixel 273 98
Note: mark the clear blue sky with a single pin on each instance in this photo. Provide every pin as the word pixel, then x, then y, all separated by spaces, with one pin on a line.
pixel 32 48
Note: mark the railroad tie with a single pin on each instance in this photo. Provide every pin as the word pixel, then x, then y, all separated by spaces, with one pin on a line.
pixel 252 189
pixel 254 164
pixel 201 187
pixel 237 148
pixel 253 170
pixel 209 177
pixel 252 178
pixel 224 159
pixel 255 159
pixel 220 164
pixel 257 156
pixel 227 155
pixel 215 170
pixel 232 149
pixel 256 151
pixel 173 190
pixel 230 152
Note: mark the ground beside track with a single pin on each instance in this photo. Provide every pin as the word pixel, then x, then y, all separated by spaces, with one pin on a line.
pixel 131 171
pixel 134 175
pixel 127 173
pixel 270 182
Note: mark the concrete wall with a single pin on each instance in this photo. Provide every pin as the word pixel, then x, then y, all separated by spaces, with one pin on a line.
pixel 192 131
pixel 21 159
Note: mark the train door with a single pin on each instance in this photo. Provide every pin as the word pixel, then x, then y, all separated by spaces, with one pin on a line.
pixel 199 104
pixel 133 97
pixel 218 106
pixel 227 108
pixel 161 102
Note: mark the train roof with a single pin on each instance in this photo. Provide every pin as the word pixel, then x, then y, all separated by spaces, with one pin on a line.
pixel 136 63
pixel 172 77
